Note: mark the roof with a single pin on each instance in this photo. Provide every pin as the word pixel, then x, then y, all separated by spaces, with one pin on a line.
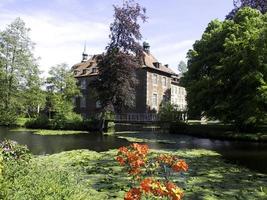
pixel 84 69
pixel 150 61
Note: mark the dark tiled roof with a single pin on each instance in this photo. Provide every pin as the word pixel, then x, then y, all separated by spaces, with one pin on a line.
pixel 150 61
pixel 86 68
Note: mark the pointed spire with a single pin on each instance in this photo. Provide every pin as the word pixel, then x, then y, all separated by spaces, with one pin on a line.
pixel 84 55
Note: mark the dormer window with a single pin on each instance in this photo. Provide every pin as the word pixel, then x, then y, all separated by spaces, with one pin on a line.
pixel 76 72
pixel 94 70
pixel 156 64
pixel 84 71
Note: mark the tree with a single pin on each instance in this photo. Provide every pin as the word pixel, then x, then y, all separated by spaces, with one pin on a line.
pixel 182 67
pixel 116 82
pixel 17 67
pixel 260 5
pixel 62 88
pixel 227 71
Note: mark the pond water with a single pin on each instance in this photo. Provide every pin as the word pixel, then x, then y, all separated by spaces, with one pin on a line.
pixel 252 155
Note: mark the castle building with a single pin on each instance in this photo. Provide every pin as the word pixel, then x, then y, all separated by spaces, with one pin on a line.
pixel 157 84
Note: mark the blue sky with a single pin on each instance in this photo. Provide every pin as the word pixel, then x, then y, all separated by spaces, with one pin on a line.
pixel 60 27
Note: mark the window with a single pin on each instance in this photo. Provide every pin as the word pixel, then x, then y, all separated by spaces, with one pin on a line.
pixel 155 79
pixel 83 84
pixel 175 90
pixel 94 70
pixel 164 81
pixel 98 104
pixel 82 102
pixel 155 100
pixel 164 98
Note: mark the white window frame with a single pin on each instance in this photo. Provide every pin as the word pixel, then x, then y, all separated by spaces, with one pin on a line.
pixel 164 81
pixel 83 84
pixel 82 102
pixel 154 100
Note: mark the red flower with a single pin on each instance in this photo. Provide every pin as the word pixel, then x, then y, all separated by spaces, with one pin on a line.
pixel 133 194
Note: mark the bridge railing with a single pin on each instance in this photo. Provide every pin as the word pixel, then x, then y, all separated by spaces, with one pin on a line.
pixel 137 117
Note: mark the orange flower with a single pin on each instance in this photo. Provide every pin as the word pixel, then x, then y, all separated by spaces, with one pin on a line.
pixel 180 166
pixel 120 160
pixel 123 150
pixel 166 159
pixel 142 149
pixel 158 189
pixel 170 186
pixel 174 192
pixel 133 194
pixel 146 185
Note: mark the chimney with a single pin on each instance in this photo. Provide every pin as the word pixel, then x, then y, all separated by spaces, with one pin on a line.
pixel 167 65
pixel 146 47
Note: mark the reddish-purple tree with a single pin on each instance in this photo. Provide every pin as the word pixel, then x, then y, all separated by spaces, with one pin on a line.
pixel 260 5
pixel 117 81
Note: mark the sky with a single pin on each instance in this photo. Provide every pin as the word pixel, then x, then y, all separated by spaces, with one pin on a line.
pixel 60 28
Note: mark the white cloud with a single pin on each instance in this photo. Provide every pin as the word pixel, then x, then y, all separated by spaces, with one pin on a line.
pixel 58 40
pixel 61 40
pixel 172 53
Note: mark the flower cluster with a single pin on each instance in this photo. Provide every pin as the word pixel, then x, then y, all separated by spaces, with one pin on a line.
pixel 166 189
pixel 173 162
pixel 135 159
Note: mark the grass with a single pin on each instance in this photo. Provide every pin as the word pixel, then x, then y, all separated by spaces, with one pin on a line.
pixel 220 131
pixel 48 132
pixel 21 121
pixel 86 175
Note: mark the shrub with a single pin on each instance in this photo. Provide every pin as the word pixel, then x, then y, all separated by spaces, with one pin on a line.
pixel 169 113
pixel 40 181
pixel 11 150
pixel 7 117
pixel 41 122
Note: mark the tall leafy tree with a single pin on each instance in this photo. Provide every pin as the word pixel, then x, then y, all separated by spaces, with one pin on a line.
pixel 227 72
pixel 16 64
pixel 182 67
pixel 117 81
pixel 62 87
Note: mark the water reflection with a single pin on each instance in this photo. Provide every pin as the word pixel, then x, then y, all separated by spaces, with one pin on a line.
pixel 53 144
pixel 251 155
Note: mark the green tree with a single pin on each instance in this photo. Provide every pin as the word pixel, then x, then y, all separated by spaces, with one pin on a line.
pixel 16 64
pixel 182 67
pixel 227 70
pixel 117 81
pixel 62 87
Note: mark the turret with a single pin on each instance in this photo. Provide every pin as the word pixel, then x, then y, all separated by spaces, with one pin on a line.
pixel 84 55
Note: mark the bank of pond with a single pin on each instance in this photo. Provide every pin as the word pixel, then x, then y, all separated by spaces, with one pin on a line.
pixel 83 166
